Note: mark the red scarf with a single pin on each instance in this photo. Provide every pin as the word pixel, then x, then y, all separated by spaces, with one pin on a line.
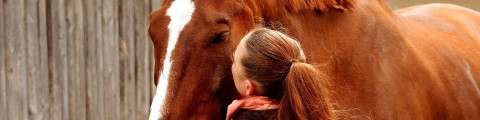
pixel 251 103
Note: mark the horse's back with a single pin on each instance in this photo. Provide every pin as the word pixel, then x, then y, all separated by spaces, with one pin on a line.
pixel 443 29
pixel 445 17
pixel 445 39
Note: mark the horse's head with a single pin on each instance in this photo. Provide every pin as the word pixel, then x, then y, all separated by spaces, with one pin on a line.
pixel 193 43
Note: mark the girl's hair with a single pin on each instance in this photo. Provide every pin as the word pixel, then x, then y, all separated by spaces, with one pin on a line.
pixel 277 63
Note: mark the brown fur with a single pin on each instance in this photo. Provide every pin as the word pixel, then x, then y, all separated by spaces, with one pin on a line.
pixel 419 63
pixel 323 5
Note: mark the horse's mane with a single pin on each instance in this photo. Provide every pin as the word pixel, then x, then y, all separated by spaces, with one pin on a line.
pixel 299 5
pixel 322 5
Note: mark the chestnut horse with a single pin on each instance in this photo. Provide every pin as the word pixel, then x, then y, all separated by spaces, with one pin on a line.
pixel 421 62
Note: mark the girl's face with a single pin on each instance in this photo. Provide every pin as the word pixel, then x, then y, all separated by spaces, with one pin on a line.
pixel 238 70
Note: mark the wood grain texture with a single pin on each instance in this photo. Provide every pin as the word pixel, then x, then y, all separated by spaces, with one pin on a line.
pixel 37 78
pixel 57 60
pixel 155 4
pixel 142 8
pixel 93 70
pixel 100 45
pixel 75 60
pixel 111 60
pixel 16 77
pixel 127 59
pixel 3 89
pixel 42 83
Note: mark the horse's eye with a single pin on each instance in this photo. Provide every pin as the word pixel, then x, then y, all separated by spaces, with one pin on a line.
pixel 220 38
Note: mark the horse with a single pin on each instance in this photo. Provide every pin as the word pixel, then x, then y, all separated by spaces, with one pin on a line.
pixel 420 62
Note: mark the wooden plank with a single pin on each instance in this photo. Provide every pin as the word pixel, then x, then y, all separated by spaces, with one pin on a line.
pixel 93 69
pixel 37 83
pixel 76 60
pixel 43 93
pixel 80 53
pixel 127 60
pixel 150 60
pixel 99 37
pixel 57 60
pixel 155 4
pixel 71 89
pixel 33 57
pixel 3 88
pixel 111 60
pixel 142 11
pixel 151 70
pixel 16 81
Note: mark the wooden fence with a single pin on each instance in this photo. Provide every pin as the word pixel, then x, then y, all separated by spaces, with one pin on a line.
pixel 75 59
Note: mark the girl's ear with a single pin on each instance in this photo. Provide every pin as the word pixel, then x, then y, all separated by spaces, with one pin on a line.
pixel 250 88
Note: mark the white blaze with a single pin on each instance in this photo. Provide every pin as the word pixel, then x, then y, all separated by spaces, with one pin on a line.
pixel 180 13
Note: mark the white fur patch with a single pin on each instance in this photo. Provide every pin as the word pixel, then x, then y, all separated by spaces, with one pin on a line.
pixel 180 13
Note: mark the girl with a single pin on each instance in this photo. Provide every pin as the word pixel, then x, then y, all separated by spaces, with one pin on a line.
pixel 271 74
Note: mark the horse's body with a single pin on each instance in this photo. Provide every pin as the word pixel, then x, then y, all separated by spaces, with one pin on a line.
pixel 421 62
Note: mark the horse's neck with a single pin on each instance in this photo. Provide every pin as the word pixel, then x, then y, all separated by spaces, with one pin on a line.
pixel 335 39
pixel 359 24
